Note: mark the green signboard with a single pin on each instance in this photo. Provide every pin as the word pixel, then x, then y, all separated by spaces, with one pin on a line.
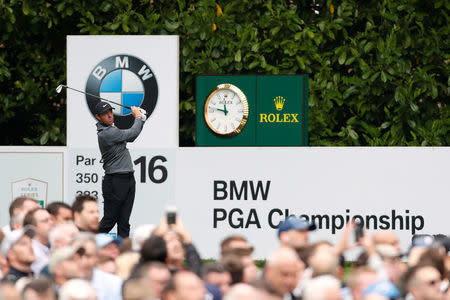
pixel 252 110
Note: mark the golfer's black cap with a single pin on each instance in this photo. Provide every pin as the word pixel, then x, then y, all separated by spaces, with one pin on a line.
pixel 102 107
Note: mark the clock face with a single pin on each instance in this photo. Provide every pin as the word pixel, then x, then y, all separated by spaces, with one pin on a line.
pixel 226 110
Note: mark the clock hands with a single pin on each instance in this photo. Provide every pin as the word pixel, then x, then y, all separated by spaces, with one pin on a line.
pixel 222 110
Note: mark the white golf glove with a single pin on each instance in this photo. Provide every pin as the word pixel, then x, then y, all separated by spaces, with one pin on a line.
pixel 143 114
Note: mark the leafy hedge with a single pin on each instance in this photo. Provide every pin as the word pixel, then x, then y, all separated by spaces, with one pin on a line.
pixel 379 70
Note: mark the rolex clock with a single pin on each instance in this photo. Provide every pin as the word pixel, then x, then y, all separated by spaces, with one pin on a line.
pixel 226 110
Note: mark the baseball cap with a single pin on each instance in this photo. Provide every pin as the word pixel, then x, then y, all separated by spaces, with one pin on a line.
pixel 62 254
pixel 102 107
pixel 213 291
pixel 140 234
pixel 384 288
pixel 14 236
pixel 103 239
pixel 292 222
pixel 422 240
pixel 387 251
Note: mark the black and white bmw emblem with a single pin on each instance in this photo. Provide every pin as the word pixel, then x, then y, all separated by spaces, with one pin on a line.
pixel 123 79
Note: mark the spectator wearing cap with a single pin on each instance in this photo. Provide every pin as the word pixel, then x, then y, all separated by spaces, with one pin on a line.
pixel 140 234
pixel 107 245
pixel 66 263
pixel 106 285
pixel 16 247
pixel 391 258
pixel 108 251
pixel 293 232
pixel 381 290
pixel 43 223
pixel 385 259
pixel 283 271
pixel 85 213
pixel 386 237
pixel 60 212
pixel 419 244
pixel 62 234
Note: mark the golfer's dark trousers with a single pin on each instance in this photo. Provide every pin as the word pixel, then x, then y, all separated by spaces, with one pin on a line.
pixel 118 194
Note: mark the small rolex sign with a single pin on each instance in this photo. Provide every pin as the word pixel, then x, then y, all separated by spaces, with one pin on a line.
pixel 275 111
pixel 31 188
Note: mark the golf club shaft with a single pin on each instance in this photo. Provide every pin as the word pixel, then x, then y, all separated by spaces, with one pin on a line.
pixel 68 87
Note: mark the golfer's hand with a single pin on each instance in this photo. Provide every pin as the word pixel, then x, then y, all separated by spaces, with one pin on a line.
pixel 135 112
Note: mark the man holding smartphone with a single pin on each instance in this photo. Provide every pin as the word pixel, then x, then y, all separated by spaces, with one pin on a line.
pixel 118 185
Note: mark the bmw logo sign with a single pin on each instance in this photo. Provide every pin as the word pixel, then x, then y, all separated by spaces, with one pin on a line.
pixel 124 79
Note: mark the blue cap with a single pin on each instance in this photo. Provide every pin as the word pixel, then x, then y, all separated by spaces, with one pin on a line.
pixel 103 239
pixel 422 240
pixel 213 291
pixel 384 288
pixel 292 222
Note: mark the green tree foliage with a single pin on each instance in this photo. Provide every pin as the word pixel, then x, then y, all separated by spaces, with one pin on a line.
pixel 379 70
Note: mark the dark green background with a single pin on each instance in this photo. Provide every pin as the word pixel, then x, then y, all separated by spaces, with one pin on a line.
pixel 281 134
pixel 260 91
pixel 205 137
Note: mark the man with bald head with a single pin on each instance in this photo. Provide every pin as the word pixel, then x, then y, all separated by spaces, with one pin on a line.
pixel 184 286
pixel 242 291
pixel 325 287
pixel 324 261
pixel 283 270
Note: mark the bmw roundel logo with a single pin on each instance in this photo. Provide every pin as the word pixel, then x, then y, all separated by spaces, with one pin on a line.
pixel 123 79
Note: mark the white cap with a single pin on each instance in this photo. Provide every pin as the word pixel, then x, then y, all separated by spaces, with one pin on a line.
pixel 14 236
pixel 140 234
pixel 62 254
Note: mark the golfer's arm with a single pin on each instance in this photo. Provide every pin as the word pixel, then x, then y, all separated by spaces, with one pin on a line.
pixel 117 135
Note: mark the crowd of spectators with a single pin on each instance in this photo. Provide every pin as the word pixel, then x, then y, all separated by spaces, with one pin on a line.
pixel 56 253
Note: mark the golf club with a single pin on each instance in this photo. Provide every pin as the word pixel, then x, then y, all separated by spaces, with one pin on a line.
pixel 59 88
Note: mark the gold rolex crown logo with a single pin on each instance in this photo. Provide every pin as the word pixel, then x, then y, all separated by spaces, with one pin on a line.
pixel 279 102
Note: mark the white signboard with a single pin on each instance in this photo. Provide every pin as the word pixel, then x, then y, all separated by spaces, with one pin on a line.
pixel 31 171
pixel 130 70
pixel 30 188
pixel 154 175
pixel 248 191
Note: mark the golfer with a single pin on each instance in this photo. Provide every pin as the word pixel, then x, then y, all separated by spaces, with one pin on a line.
pixel 118 185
